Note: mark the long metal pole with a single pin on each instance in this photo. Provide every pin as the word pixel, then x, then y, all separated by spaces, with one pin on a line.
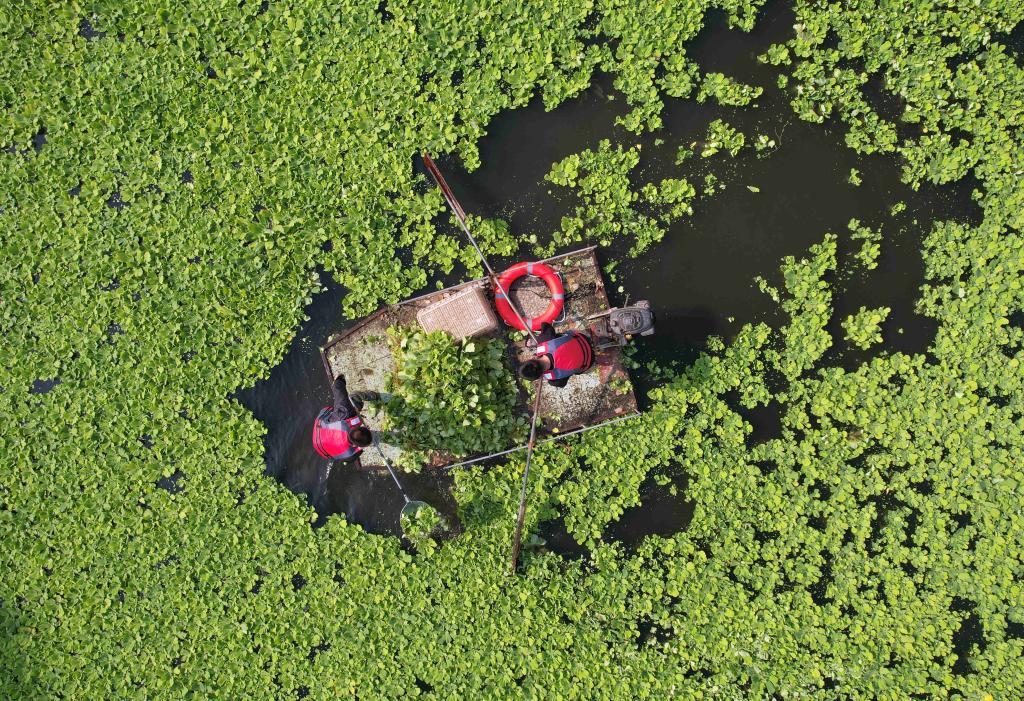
pixel 391 470
pixel 460 215
pixel 517 538
pixel 549 439
pixel 387 463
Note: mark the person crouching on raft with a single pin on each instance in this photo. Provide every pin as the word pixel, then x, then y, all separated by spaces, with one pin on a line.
pixel 558 357
pixel 338 432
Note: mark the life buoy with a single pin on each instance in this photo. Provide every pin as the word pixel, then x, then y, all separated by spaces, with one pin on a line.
pixel 550 278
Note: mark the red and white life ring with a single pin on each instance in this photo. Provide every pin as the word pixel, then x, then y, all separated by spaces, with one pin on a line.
pixel 550 278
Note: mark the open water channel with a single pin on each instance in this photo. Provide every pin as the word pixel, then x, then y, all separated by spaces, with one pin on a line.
pixel 699 280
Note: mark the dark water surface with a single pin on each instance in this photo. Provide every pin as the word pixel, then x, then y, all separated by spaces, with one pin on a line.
pixel 699 279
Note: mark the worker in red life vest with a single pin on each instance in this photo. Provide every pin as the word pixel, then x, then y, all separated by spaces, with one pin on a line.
pixel 338 432
pixel 559 357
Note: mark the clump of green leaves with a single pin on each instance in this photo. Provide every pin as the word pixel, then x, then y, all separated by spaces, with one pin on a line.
pixel 871 246
pixel 727 91
pixel 863 327
pixel 767 289
pixel 610 206
pixel 776 55
pixel 452 397
pixel 670 198
pixel 763 143
pixel 809 305
pixel 722 136
pixel 494 237
pixel 646 55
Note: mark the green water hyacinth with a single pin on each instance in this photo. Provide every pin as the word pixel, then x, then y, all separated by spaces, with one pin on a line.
pixel 722 136
pixel 727 91
pixel 610 206
pixel 862 328
pixel 455 397
pixel 871 247
pixel 420 522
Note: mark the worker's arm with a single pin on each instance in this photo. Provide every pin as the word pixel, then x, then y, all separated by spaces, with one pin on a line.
pixel 360 398
pixel 343 408
pixel 547 332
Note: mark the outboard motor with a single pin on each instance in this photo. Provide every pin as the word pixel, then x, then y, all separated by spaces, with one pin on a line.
pixel 623 322
pixel 637 320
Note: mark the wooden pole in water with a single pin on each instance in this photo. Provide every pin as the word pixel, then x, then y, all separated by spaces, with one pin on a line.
pixel 521 517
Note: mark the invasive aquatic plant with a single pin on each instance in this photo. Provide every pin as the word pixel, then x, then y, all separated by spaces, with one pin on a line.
pixel 610 207
pixel 645 51
pixel 871 246
pixel 862 328
pixel 727 91
pixel 670 199
pixel 809 305
pixel 451 397
pixel 722 136
pixel 420 523
pixel 764 144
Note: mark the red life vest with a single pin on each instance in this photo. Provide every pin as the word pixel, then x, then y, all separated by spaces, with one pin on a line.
pixel 570 354
pixel 331 438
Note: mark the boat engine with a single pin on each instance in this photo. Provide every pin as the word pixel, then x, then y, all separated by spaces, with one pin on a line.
pixel 624 322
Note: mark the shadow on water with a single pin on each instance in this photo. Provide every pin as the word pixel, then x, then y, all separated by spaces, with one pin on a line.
pixel 699 280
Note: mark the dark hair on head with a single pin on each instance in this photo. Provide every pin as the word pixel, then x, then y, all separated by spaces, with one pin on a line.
pixel 531 370
pixel 361 436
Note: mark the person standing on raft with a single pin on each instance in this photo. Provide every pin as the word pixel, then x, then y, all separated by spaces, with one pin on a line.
pixel 338 432
pixel 559 357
